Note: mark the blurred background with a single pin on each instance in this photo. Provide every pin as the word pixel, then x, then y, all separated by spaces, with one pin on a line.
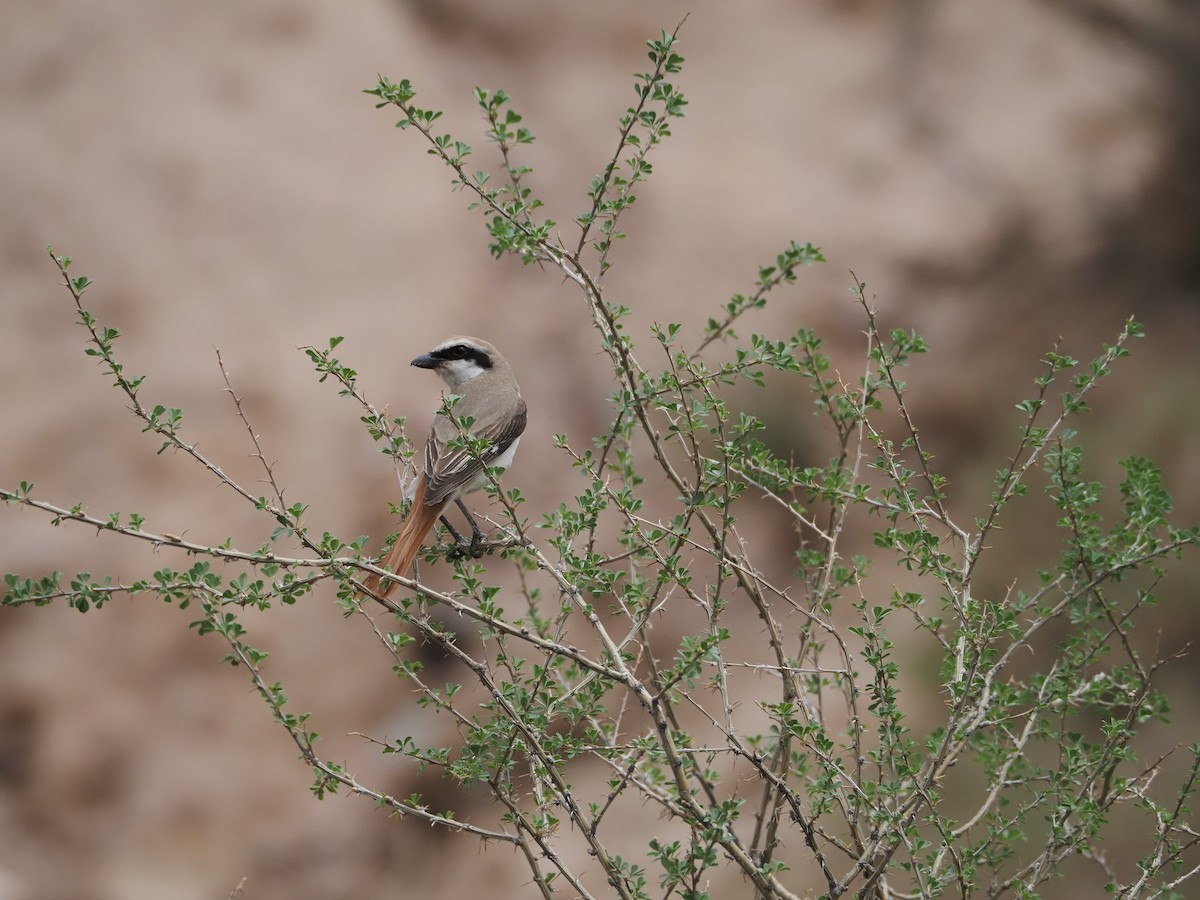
pixel 999 174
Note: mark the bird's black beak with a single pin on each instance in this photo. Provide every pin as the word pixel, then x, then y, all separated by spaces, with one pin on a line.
pixel 425 361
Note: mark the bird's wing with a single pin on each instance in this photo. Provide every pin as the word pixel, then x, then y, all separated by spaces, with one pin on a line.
pixel 446 469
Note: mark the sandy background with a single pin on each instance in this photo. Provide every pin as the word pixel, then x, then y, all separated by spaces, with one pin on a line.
pixel 999 174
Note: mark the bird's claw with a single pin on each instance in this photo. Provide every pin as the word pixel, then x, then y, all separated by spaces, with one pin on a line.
pixel 462 547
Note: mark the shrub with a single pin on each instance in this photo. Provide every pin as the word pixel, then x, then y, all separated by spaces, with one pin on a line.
pixel 824 779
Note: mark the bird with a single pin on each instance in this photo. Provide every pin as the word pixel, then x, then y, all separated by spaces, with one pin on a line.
pixel 490 399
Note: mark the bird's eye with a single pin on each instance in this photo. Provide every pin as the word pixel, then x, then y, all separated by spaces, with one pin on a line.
pixel 469 352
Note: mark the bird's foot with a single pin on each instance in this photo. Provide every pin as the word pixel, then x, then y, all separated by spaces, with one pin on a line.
pixel 475 547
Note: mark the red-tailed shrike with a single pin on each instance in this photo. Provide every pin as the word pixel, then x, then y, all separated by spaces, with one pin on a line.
pixel 488 395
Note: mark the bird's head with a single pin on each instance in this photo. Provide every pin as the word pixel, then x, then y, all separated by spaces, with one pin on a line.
pixel 459 359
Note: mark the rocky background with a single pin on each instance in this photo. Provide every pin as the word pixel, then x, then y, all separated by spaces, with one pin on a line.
pixel 999 173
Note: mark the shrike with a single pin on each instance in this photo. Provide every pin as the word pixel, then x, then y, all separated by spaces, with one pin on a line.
pixel 488 396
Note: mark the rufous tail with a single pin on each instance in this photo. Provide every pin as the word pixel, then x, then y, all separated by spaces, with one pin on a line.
pixel 415 527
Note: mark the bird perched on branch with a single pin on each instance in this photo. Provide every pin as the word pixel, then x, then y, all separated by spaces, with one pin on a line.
pixel 490 401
